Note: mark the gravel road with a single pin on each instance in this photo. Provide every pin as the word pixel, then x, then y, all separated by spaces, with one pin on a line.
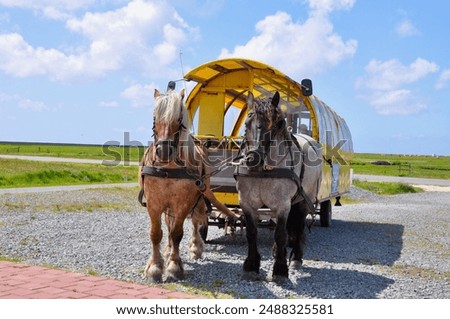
pixel 380 247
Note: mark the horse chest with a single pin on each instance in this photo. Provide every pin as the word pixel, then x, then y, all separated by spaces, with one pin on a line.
pixel 270 192
pixel 167 191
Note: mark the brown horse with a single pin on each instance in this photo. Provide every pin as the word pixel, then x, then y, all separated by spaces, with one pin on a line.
pixel 175 182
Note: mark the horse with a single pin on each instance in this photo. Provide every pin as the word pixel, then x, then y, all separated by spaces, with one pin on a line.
pixel 280 171
pixel 174 180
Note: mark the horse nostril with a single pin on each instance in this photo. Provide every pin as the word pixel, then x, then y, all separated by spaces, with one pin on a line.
pixel 164 151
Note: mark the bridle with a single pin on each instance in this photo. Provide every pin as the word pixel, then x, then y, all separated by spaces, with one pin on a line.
pixel 256 154
pixel 169 144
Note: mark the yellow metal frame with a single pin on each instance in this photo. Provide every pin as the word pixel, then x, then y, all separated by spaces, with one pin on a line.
pixel 225 83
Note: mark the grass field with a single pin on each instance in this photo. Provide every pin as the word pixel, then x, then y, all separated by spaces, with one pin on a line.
pixel 401 165
pixel 18 173
pixel 386 188
pixel 104 152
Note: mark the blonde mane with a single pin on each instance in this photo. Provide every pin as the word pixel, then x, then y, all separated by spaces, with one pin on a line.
pixel 169 108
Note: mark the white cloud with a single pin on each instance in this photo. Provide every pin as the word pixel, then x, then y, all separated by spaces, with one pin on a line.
pixel 139 95
pixel 326 6
pixel 444 80
pixel 54 9
pixel 133 36
pixel 109 104
pixel 396 102
pixel 36 106
pixel 386 83
pixel 392 74
pixel 23 103
pixel 302 48
pixel 406 29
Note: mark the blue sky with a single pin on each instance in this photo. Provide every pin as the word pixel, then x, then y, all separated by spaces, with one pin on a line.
pixel 84 71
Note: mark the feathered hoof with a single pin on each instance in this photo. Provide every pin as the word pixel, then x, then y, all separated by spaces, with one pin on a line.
pixel 295 264
pixel 280 280
pixel 174 272
pixel 251 276
pixel 154 273
pixel 196 251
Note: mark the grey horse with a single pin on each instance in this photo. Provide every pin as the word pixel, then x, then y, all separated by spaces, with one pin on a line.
pixel 282 172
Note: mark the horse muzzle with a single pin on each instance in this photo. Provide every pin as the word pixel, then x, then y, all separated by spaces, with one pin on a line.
pixel 165 150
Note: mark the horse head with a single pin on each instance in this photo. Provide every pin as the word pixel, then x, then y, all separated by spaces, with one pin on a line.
pixel 264 118
pixel 170 123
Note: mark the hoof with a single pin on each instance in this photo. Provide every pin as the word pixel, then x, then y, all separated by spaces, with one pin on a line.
pixel 154 273
pixel 195 255
pixel 280 280
pixel 196 251
pixel 280 270
pixel 251 276
pixel 295 264
pixel 174 277
pixel 174 272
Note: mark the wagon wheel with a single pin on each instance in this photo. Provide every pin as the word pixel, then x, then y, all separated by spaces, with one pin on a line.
pixel 325 213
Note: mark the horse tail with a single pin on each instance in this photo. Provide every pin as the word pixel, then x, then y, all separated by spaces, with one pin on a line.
pixel 220 206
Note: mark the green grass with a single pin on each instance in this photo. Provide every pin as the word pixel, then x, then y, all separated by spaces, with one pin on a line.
pixel 21 173
pixel 402 165
pixel 362 163
pixel 109 153
pixel 10 259
pixel 125 200
pixel 386 188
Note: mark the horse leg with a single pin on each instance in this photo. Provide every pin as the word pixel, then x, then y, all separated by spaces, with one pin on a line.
pixel 196 244
pixel 174 270
pixel 280 267
pixel 169 221
pixel 155 264
pixel 296 233
pixel 253 260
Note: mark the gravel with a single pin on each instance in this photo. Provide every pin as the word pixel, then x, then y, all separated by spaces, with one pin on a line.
pixel 379 247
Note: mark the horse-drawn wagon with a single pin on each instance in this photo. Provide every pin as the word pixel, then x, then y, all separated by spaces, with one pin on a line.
pixel 217 108
pixel 263 145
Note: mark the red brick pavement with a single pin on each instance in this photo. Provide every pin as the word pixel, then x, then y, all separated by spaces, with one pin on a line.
pixel 19 281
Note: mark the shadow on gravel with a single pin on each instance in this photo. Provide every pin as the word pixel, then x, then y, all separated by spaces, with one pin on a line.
pixel 346 242
pixel 339 283
pixel 356 242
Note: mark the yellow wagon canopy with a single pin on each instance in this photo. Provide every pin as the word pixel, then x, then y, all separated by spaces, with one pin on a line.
pixel 224 84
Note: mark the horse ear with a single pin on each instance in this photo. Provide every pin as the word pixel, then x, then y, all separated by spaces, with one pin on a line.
pixel 250 100
pixel 156 93
pixel 275 99
pixel 182 93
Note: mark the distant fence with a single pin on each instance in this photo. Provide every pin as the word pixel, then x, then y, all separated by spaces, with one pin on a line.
pixel 404 169
pixel 13 150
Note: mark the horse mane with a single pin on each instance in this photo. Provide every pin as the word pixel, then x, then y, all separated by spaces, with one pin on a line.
pixel 169 108
pixel 276 116
pixel 166 109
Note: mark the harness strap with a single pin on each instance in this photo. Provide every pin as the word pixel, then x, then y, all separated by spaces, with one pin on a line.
pixel 178 173
pixel 141 198
pixel 277 173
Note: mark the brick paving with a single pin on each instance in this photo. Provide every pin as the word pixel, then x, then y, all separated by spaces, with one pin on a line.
pixel 20 281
